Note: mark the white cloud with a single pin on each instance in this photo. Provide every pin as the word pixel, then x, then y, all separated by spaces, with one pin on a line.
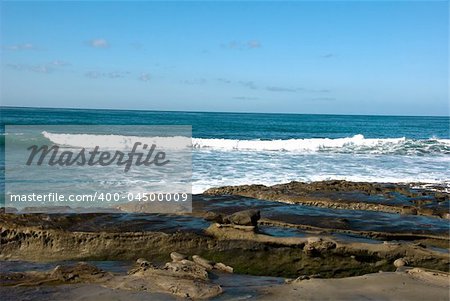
pixel 327 56
pixel 245 98
pixel 59 63
pixel 282 89
pixel 246 45
pixel 249 84
pixel 19 47
pixel 112 74
pixel 224 80
pixel 254 44
pixel 40 68
pixel 137 46
pixel 93 74
pixel 145 77
pixel 99 43
pixel 198 81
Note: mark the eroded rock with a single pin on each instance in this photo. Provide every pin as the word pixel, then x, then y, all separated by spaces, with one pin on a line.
pixel 213 217
pixel 177 256
pixel 400 262
pixel 244 218
pixel 187 268
pixel 316 245
pixel 344 195
pixel 207 264
pixel 223 267
pixel 142 262
pixel 408 210
pixel 80 272
pixel 61 274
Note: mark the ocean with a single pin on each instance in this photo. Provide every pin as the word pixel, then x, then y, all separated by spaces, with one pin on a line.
pixel 253 148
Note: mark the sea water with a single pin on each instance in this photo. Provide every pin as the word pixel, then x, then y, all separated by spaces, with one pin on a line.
pixel 244 148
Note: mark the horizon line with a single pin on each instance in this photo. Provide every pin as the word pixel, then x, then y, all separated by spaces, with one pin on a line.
pixel 223 112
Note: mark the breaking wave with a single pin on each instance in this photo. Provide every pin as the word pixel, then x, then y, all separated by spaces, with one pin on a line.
pixel 357 144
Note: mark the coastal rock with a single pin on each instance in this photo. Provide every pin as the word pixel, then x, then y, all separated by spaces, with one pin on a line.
pixel 80 272
pixel 400 262
pixel 314 239
pixel 441 197
pixel 175 256
pixel 426 211
pixel 381 263
pixel 187 288
pixel 186 268
pixel 213 217
pixel 408 210
pixel 316 245
pixel 71 272
pixel 222 267
pixel 309 250
pixel 346 195
pixel 245 218
pixel 183 278
pixel 301 278
pixel 189 281
pixel 62 274
pixel 419 244
pixel 142 262
pixel 207 264
pixel 93 236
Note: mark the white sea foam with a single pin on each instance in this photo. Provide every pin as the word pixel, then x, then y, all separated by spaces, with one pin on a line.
pixel 313 144
pixel 116 141
pixel 220 162
pixel 327 169
pixel 355 144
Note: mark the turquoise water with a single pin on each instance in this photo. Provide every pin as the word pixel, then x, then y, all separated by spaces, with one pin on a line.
pixel 232 148
pixel 245 126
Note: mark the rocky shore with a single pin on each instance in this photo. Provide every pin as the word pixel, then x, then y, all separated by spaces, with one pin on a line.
pixel 392 198
pixel 181 277
pixel 276 231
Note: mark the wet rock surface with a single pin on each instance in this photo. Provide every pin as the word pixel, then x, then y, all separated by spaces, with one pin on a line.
pixel 177 256
pixel 207 264
pixel 62 274
pixel 237 234
pixel 244 218
pixel 181 278
pixel 393 198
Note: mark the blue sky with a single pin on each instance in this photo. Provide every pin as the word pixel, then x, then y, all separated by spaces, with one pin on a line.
pixel 333 57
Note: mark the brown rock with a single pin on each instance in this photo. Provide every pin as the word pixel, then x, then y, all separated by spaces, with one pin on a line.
pixel 213 217
pixel 309 250
pixel 187 268
pixel 426 211
pixel 207 264
pixel 408 210
pixel 245 218
pixel 177 256
pixel 142 262
pixel 80 272
pixel 222 267
pixel 400 262
pixel 183 278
